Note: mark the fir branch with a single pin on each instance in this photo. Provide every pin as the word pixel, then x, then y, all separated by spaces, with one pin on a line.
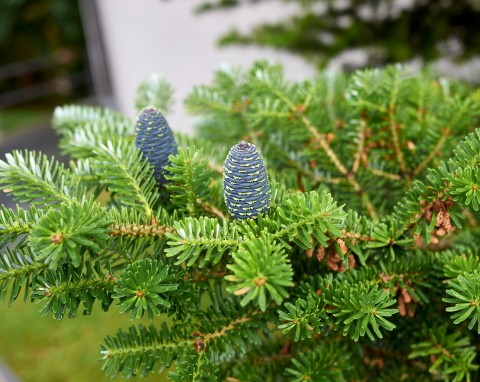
pixel 141 287
pixel 15 224
pixel 69 232
pixel 394 126
pixel 387 175
pixel 465 186
pixel 204 99
pixel 194 367
pixel 321 139
pixel 224 330
pixel 465 294
pixel 81 143
pixel 260 267
pixel 225 327
pixel 360 145
pixel 451 354
pixel 72 117
pixel 132 238
pixel 446 130
pixel 456 265
pixel 188 181
pixel 304 216
pixel 142 350
pixel 139 230
pixel 125 172
pixel 63 289
pixel 155 91
pixel 203 236
pixel 18 268
pixel 305 317
pixel 361 308
pixel 433 153
pixel 33 178
pixel 326 362
pixel 277 88
pixel 84 128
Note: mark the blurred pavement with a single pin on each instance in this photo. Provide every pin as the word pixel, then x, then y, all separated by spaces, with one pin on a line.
pixel 6 375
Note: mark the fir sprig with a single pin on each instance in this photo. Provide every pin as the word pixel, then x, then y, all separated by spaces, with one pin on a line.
pixel 123 170
pixel 84 128
pixel 155 91
pixel 141 288
pixel 260 267
pixel 302 217
pixel 70 232
pixel 363 310
pixel 15 224
pixel 18 269
pixel 305 317
pixel 324 363
pixel 465 294
pixel 36 179
pixel 452 354
pixel 66 288
pixel 201 240
pixel 123 354
pixel 189 181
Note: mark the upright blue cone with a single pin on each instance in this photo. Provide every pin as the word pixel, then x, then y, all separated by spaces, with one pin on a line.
pixel 155 140
pixel 245 182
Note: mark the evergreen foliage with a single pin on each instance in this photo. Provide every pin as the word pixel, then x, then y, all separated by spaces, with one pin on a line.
pixel 387 31
pixel 363 265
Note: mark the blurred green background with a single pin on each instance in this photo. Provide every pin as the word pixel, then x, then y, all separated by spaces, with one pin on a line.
pixel 388 31
pixel 40 349
pixel 43 60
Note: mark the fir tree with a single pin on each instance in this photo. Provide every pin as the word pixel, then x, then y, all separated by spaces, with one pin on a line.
pixel 361 264
pixel 385 31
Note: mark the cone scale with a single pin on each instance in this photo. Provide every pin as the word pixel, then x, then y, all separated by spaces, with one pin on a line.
pixel 245 182
pixel 154 138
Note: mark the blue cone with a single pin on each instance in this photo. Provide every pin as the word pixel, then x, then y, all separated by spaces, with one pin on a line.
pixel 155 140
pixel 245 182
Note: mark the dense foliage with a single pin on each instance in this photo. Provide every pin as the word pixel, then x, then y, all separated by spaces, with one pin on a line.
pixel 365 266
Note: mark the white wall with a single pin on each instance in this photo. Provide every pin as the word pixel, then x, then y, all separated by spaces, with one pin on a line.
pixel 146 36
